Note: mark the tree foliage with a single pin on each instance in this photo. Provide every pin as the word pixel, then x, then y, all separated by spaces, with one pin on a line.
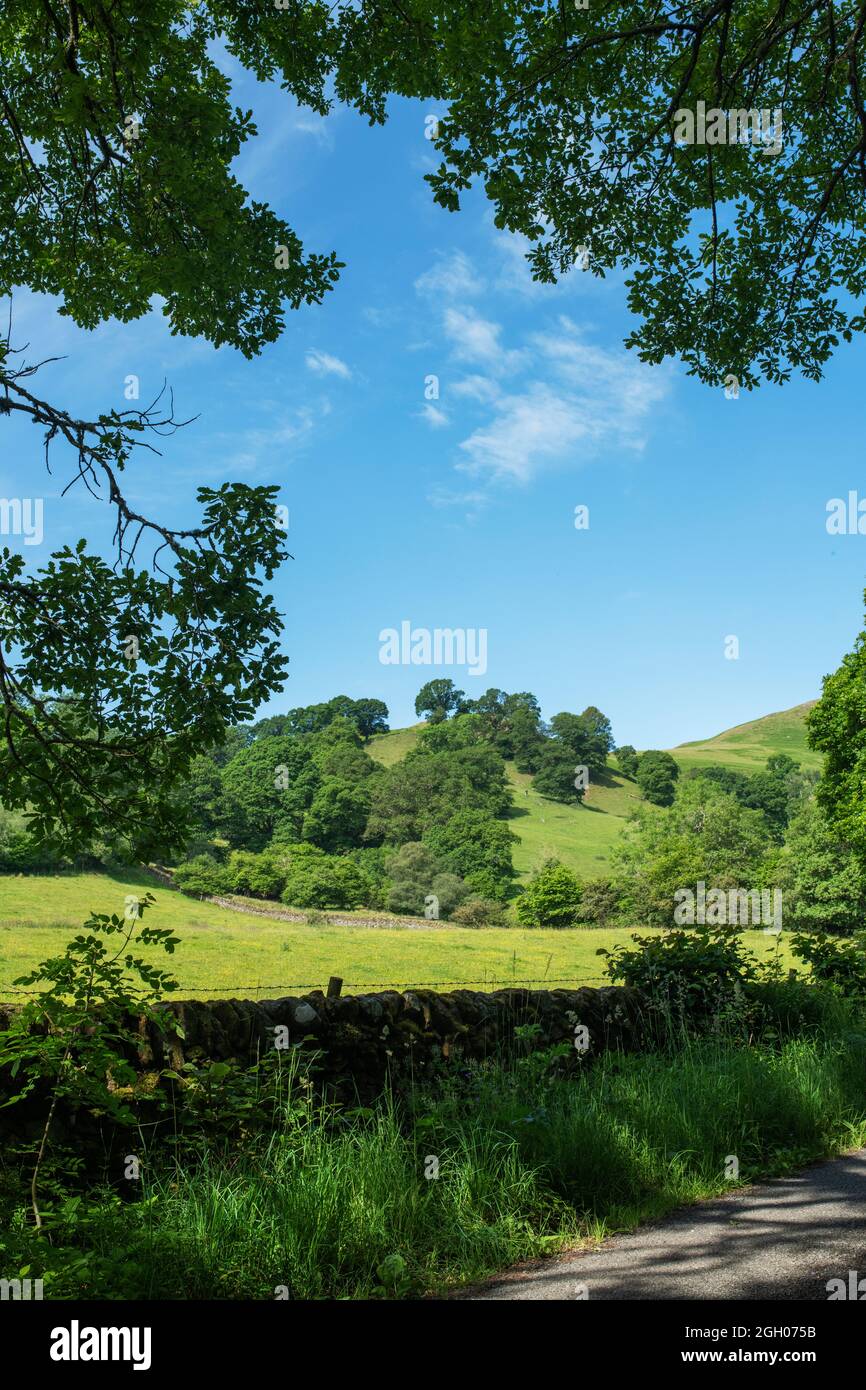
pixel 551 898
pixel 657 773
pixel 837 727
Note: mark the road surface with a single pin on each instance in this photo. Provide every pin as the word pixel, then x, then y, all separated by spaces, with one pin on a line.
pixel 780 1240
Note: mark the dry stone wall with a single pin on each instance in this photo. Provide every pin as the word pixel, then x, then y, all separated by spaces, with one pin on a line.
pixel 364 1038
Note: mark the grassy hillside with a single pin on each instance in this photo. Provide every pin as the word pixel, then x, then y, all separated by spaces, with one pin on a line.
pixel 224 954
pixel 583 836
pixel 747 747
pixel 390 748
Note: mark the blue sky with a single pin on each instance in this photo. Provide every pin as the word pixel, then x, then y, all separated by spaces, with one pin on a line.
pixel 707 515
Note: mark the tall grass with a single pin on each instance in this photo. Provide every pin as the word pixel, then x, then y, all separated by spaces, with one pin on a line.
pixel 529 1160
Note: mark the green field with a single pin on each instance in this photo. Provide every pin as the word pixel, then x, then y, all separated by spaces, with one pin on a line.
pixel 230 953
pixel 584 836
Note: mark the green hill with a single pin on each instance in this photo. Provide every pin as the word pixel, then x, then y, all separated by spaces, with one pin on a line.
pixel 583 836
pixel 747 747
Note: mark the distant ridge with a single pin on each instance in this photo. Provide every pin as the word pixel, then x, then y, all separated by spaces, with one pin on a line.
pixel 746 747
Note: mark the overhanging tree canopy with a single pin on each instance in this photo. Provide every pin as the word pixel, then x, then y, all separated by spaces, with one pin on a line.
pixel 117 133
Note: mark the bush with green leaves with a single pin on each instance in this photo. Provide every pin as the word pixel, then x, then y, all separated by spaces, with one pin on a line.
pixel 74 1040
pixel 689 978
pixel 599 903
pixel 551 898
pixel 203 876
pixel 415 873
pixel 254 875
pixel 316 879
pixel 480 912
pixel 19 852
pixel 836 961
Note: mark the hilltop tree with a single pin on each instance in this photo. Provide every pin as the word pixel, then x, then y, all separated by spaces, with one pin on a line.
pixel 587 737
pixel 598 728
pixel 437 699
pixel 556 777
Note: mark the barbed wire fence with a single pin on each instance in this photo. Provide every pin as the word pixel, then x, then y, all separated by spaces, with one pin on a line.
pixel 361 987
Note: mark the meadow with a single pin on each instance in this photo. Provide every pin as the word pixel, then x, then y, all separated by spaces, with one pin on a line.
pixel 234 952
pixel 229 952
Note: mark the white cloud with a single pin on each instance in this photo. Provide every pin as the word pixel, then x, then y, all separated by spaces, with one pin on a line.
pixel 433 415
pixel 571 399
pixel 526 430
pixel 320 127
pixel 472 502
pixel 325 364
pixel 475 339
pixel 260 447
pixel 477 388
pixel 452 276
pixel 590 398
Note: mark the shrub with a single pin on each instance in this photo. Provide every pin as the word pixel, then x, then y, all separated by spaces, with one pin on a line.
pixel 551 898
pixel 450 890
pixel 412 869
pixel 202 875
pixel 316 879
pixel 599 903
pixel 254 875
pixel 690 976
pixel 837 961
pixel 19 852
pixel 480 912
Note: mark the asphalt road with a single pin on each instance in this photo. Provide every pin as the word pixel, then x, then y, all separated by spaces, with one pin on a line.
pixel 779 1240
